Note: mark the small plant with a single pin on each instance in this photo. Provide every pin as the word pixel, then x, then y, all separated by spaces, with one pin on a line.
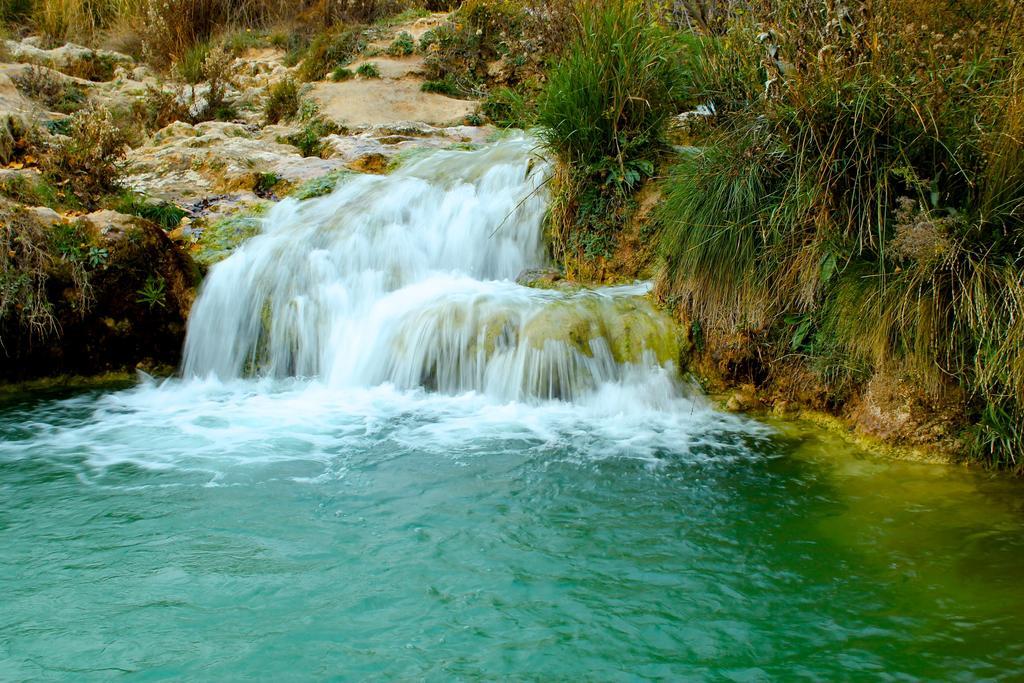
pixel 368 70
pixel 473 119
pixel 264 185
pixel 508 108
pixel 328 51
pixel 282 101
pixel 217 71
pixel 54 92
pixel 86 162
pixel 165 214
pixel 403 45
pixel 190 68
pixel 442 87
pixel 153 292
pixel 314 128
pixel 96 256
pixel 342 73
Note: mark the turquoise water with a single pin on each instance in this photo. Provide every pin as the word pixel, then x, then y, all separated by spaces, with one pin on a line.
pixel 288 532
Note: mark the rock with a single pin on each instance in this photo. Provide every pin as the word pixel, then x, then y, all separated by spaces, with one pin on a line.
pixel 12 102
pixel 140 287
pixel 374 102
pixel 541 278
pixel 370 163
pixel 71 59
pixel 784 408
pixel 185 162
pixel 743 400
pixel 895 410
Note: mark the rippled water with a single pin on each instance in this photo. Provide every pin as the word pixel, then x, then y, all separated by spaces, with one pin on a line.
pixel 287 531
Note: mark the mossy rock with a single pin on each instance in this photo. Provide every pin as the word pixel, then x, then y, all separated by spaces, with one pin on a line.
pixel 630 326
pixel 319 187
pixel 221 237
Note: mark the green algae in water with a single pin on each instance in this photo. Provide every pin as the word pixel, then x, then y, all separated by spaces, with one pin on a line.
pixel 292 532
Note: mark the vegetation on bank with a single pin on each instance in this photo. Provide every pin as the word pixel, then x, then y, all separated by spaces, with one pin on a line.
pixel 851 198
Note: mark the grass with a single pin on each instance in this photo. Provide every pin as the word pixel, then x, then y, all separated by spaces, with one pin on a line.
pixel 53 91
pixel 282 101
pixel 509 108
pixel 603 116
pixel 329 51
pixel 862 207
pixel 402 46
pixel 368 70
pixel 165 214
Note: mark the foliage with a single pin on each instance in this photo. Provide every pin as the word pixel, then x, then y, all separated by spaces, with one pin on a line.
pixel 153 292
pixel 30 190
pixel 368 70
pixel 314 128
pixel 31 256
pixel 342 73
pixel 509 108
pixel 54 92
pixel 190 66
pixel 328 51
pixel 403 45
pixel 165 214
pixel 85 163
pixel 265 184
pixel 603 115
pixel 858 200
pixel 496 41
pixel 282 101
pixel 442 87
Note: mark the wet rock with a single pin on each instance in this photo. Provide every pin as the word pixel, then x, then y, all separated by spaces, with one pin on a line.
pixel 743 400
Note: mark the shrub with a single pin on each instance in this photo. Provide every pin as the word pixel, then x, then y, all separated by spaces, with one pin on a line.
pixel 85 162
pixel 442 87
pixel 342 73
pixel 165 214
pixel 508 108
pixel 403 45
pixel 368 70
pixel 327 51
pixel 282 101
pixel 51 90
pixel 31 255
pixel 191 66
pixel 314 128
pixel 603 115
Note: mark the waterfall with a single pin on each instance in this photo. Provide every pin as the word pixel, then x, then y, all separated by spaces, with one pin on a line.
pixel 409 279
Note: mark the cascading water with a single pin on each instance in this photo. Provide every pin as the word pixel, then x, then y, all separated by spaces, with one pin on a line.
pixel 407 279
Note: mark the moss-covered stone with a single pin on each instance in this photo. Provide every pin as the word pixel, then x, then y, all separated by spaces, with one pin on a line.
pixel 221 237
pixel 319 187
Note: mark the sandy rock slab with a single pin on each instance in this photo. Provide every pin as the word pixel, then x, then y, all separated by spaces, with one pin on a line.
pixel 374 102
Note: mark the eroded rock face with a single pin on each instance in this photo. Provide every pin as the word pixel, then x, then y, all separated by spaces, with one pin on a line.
pixel 130 313
pixel 896 411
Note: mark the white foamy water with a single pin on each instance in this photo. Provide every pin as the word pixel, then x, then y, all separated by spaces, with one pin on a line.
pixel 409 279
pixel 384 319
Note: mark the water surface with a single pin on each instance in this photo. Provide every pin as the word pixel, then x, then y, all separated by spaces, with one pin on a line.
pixel 287 531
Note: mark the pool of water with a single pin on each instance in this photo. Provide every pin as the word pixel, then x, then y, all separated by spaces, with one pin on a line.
pixel 287 531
